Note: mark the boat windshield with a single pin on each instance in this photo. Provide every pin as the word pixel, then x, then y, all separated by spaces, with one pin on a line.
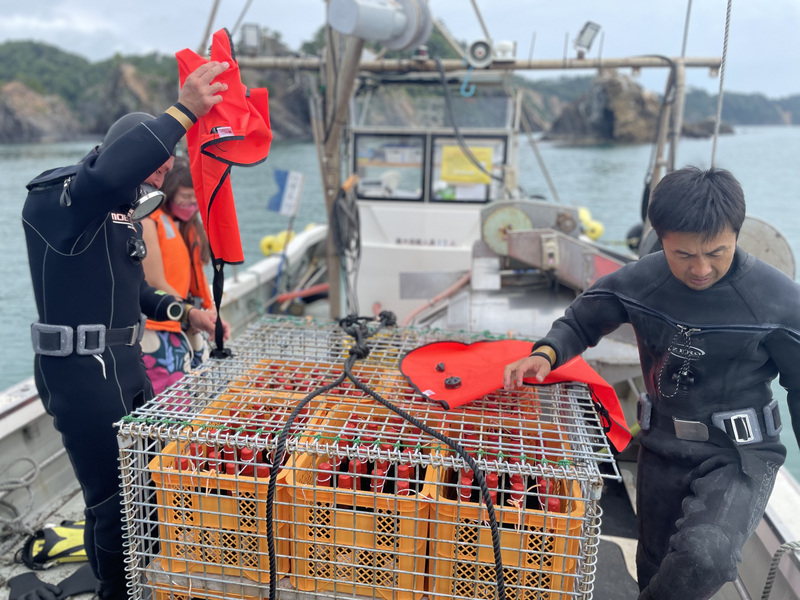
pixel 414 105
pixel 406 148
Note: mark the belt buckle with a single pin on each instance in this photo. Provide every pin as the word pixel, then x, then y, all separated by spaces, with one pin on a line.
pixel 134 334
pixel 747 428
pixel 80 343
pixel 740 425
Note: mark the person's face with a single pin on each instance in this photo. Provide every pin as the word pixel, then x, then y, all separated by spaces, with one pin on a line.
pixel 157 178
pixel 699 263
pixel 184 196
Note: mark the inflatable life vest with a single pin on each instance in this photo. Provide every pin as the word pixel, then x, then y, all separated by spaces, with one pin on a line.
pixel 479 368
pixel 235 131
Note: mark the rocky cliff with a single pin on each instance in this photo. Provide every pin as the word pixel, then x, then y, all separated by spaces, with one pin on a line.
pixel 615 109
pixel 29 116
pixel 26 116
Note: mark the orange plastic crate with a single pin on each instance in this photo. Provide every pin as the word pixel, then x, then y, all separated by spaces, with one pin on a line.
pixel 538 548
pixel 357 541
pixel 354 542
pixel 214 523
pixel 176 592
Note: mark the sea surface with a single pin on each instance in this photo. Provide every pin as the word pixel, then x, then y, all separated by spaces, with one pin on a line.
pixel 608 181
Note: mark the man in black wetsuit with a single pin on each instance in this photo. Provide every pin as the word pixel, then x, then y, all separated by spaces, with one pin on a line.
pixel 714 326
pixel 85 254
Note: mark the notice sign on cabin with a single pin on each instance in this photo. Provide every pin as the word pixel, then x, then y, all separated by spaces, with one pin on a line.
pixel 458 168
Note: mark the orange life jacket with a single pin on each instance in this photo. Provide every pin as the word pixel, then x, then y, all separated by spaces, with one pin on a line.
pixel 183 270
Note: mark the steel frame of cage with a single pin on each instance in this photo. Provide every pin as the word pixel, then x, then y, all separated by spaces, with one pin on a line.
pixel 194 532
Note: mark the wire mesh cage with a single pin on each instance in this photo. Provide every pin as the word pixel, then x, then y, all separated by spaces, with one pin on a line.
pixel 287 470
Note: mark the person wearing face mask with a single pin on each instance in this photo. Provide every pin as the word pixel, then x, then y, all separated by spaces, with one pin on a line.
pixel 85 253
pixel 177 250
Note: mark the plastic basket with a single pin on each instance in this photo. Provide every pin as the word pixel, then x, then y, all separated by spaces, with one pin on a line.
pixel 538 548
pixel 355 541
pixel 213 523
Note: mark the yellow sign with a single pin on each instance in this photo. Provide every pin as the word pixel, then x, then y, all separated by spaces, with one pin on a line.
pixel 458 168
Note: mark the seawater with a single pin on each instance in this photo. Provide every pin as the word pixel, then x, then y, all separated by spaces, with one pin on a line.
pixel 608 181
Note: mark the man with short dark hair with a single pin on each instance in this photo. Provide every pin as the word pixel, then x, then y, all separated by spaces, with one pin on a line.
pixel 85 250
pixel 714 326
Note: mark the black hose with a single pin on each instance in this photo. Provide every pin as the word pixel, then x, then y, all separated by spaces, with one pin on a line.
pixel 358 329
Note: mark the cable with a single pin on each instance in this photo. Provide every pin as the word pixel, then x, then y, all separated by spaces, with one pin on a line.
pixel 358 328
pixel 718 118
pixel 346 227
pixel 451 113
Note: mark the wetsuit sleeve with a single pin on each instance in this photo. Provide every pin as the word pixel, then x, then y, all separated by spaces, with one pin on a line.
pixel 593 314
pixel 783 347
pixel 109 179
pixel 154 302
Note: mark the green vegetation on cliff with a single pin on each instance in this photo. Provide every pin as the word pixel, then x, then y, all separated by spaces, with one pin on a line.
pixel 48 70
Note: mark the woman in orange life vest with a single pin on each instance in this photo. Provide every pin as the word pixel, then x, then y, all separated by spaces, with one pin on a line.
pixel 177 250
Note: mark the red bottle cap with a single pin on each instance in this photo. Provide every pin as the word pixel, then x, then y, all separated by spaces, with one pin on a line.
pixel 324 475
pixel 345 481
pixel 403 472
pixel 378 480
pixel 262 471
pixel 517 492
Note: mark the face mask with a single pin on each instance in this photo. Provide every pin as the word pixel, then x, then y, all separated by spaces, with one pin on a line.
pixel 184 212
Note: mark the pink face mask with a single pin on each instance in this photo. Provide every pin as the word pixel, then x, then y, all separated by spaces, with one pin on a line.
pixel 184 212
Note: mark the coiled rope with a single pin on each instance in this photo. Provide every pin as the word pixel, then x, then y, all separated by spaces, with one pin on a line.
pixel 773 567
pixel 23 482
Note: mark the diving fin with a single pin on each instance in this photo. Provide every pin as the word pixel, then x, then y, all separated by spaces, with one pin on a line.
pixel 53 545
pixel 80 582
pixel 28 586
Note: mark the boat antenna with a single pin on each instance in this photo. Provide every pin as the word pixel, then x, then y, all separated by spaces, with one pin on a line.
pixel 721 82
pixel 686 29
pixel 241 16
pixel 203 49
pixel 480 20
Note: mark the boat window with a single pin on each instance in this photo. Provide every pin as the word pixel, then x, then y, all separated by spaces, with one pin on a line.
pixel 389 167
pixel 456 177
pixel 409 105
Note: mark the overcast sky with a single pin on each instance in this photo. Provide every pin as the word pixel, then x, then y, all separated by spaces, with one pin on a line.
pixel 763 48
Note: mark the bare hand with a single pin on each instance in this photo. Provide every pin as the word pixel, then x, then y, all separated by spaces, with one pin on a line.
pixel 206 320
pixel 530 366
pixel 200 92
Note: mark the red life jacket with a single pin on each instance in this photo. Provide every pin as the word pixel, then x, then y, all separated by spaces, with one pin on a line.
pixel 234 132
pixel 479 366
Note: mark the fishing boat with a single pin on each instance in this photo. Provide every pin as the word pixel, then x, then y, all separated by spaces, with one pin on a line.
pixel 428 222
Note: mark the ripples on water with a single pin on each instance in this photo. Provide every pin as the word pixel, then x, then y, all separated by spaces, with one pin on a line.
pixel 608 181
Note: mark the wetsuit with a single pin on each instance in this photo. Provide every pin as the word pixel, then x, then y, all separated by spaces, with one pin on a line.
pixel 83 275
pixel 708 357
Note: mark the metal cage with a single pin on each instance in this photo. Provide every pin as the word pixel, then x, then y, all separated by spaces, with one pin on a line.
pixel 365 502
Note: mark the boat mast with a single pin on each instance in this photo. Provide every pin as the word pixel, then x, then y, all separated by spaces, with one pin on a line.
pixel 328 124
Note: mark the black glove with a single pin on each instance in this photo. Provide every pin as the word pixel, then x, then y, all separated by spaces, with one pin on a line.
pixel 28 586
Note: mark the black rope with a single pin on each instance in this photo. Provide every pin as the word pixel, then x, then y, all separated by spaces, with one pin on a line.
pixel 358 328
